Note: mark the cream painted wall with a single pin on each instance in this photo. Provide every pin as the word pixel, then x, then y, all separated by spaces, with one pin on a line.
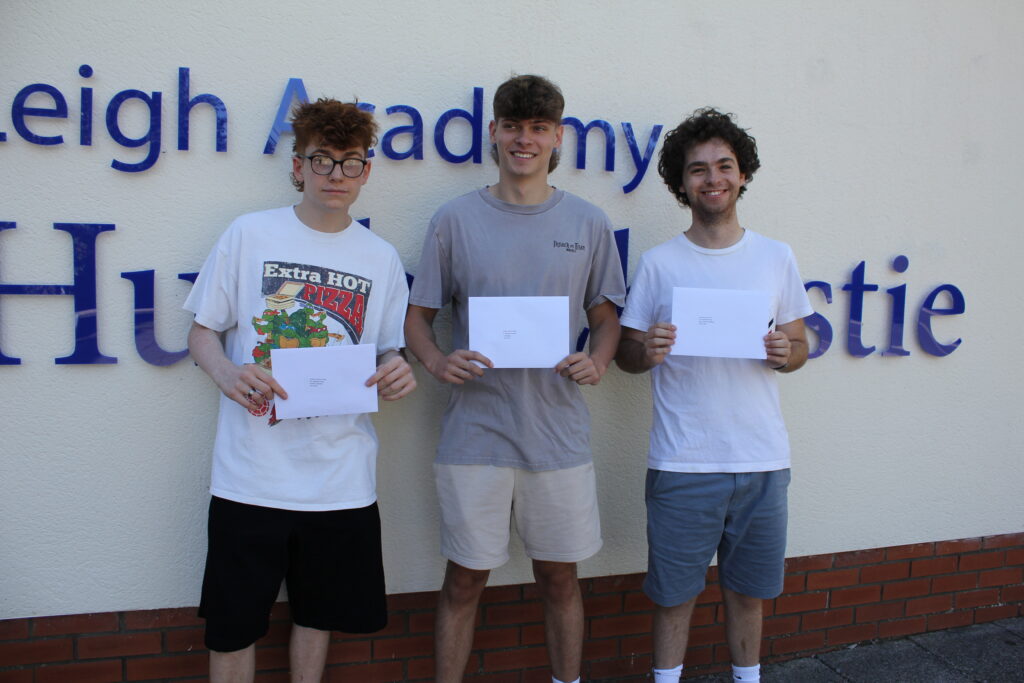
pixel 884 128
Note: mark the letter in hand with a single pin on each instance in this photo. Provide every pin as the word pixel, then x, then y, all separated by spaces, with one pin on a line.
pixel 461 366
pixel 658 342
pixel 394 379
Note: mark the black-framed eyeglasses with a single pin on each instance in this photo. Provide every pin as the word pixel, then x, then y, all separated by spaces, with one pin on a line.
pixel 351 167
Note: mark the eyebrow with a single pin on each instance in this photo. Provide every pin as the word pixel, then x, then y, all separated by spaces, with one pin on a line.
pixel 723 160
pixel 351 154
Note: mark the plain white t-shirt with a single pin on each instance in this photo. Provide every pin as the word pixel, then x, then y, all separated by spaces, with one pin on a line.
pixel 716 414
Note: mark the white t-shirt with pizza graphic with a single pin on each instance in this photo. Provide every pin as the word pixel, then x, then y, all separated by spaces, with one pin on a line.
pixel 272 282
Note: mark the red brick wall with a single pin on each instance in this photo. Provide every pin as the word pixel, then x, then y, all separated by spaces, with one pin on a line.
pixel 829 601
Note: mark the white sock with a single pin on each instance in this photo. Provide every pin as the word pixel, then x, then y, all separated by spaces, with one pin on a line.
pixel 746 674
pixel 555 680
pixel 668 675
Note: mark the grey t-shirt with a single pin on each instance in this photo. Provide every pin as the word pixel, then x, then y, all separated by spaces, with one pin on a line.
pixel 478 245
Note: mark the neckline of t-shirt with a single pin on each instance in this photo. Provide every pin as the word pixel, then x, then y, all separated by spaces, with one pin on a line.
pixel 310 233
pixel 509 207
pixel 717 252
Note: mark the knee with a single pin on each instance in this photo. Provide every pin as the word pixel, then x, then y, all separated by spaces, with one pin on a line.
pixel 741 603
pixel 462 585
pixel 556 581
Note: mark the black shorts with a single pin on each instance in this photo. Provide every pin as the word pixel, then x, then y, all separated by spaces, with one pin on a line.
pixel 331 562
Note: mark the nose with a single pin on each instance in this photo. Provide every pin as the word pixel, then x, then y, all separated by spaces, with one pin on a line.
pixel 336 173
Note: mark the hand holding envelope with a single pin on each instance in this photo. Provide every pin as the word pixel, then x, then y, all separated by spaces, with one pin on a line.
pixel 721 323
pixel 328 380
pixel 520 331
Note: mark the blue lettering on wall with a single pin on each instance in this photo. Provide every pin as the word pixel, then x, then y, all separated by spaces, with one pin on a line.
pixel 641 161
pixel 924 319
pixel 476 122
pixel 185 109
pixel 19 112
pixel 83 237
pixel 415 129
pixel 899 306
pixel 86 351
pixel 817 323
pixel 856 287
pixel 294 91
pixel 29 103
pixel 151 136
pixel 145 333
pixel 581 140
pixel 85 123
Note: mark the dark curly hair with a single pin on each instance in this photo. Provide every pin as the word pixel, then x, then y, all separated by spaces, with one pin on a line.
pixel 705 124
pixel 527 97
pixel 331 123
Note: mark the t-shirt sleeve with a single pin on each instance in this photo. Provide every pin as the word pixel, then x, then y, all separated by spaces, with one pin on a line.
pixel 793 302
pixel 392 335
pixel 431 287
pixel 213 298
pixel 640 306
pixel 606 281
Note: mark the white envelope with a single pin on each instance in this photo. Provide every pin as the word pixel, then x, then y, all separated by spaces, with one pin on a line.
pixel 520 331
pixel 328 380
pixel 721 323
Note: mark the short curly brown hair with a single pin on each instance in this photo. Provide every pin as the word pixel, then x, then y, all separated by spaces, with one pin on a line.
pixel 331 123
pixel 705 124
pixel 526 97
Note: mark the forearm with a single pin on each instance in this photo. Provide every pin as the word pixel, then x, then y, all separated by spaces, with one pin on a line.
pixel 419 338
pixel 632 356
pixel 604 340
pixel 797 356
pixel 207 351
pixel 388 355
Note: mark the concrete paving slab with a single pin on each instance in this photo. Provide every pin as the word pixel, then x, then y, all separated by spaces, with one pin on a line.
pixel 900 660
pixel 1016 625
pixel 984 652
pixel 806 670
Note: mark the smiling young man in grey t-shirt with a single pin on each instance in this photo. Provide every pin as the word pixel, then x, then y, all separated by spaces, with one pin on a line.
pixel 516 441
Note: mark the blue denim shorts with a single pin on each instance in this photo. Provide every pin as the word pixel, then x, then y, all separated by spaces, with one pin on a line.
pixel 691 516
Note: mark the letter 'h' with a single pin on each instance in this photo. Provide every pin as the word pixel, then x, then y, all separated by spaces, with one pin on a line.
pixel 83 237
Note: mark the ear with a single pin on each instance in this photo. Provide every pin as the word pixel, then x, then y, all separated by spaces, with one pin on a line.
pixel 297 167
pixel 366 173
pixel 558 136
pixel 491 127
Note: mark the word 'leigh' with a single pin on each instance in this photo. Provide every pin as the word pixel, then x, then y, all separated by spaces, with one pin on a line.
pixel 39 101
pixel 87 343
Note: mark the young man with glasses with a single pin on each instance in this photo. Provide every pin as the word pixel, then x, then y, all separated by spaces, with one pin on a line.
pixel 515 442
pixel 295 499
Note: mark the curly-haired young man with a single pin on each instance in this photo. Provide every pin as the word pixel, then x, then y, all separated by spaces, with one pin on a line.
pixel 718 464
pixel 295 499
pixel 515 441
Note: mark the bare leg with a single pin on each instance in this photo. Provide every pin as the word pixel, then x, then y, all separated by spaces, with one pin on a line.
pixel 563 616
pixel 671 631
pixel 456 616
pixel 743 620
pixel 238 666
pixel 307 653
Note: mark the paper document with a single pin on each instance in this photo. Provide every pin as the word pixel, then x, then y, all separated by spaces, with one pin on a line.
pixel 520 331
pixel 722 323
pixel 329 380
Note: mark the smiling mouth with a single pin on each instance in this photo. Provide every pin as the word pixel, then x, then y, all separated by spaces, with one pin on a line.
pixel 523 155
